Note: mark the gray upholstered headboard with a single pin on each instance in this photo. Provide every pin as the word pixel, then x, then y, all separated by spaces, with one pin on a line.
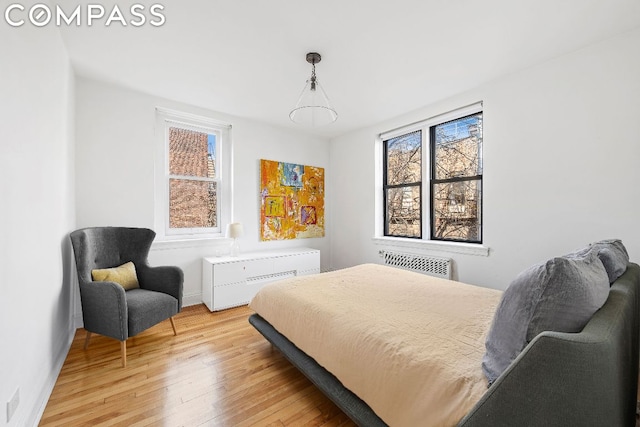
pixel 587 378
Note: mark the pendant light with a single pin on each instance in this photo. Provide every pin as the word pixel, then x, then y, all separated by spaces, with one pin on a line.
pixel 313 107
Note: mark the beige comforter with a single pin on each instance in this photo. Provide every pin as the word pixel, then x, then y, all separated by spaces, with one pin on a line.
pixel 407 344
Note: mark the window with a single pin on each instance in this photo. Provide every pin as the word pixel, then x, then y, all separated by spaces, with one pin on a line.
pixel 456 180
pixel 193 184
pixel 444 153
pixel 193 189
pixel 403 185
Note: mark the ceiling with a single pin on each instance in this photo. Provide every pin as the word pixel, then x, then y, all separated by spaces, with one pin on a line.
pixel 380 59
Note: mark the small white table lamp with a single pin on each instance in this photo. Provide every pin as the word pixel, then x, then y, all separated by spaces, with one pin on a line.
pixel 235 231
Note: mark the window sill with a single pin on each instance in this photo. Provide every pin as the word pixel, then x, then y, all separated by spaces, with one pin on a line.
pixel 452 247
pixel 182 243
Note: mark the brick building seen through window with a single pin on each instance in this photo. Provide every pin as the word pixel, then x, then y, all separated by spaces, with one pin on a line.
pixel 193 186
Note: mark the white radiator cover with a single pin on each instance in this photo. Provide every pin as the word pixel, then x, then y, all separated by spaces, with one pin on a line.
pixel 425 264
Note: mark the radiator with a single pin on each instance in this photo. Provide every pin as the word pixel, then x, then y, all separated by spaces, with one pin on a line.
pixel 433 266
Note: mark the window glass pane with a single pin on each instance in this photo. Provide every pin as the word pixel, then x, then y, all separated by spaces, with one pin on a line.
pixel 457 211
pixel 404 159
pixel 211 156
pixel 403 211
pixel 458 148
pixel 191 153
pixel 192 204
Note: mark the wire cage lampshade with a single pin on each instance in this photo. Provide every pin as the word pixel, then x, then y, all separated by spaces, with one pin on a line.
pixel 313 107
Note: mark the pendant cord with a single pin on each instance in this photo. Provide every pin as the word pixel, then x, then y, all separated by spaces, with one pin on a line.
pixel 313 76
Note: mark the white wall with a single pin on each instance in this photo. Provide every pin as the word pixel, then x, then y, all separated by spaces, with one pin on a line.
pixel 36 177
pixel 561 159
pixel 115 172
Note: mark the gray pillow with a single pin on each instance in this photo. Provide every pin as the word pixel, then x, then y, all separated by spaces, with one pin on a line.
pixel 560 294
pixel 614 257
pixel 611 252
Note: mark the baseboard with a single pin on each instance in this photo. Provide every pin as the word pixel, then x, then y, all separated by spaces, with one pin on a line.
pixel 47 388
pixel 192 299
pixel 77 320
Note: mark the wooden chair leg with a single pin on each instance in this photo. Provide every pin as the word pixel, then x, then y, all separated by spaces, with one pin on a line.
pixel 173 325
pixel 123 353
pixel 86 340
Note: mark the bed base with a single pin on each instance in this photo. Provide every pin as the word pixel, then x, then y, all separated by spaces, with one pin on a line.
pixel 354 407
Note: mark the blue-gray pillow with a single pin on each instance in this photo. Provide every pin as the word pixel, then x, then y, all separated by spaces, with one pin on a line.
pixel 560 294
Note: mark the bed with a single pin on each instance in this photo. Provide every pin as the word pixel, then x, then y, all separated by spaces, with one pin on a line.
pixel 341 329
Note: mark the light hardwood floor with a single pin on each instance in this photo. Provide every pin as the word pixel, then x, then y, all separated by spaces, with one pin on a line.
pixel 218 371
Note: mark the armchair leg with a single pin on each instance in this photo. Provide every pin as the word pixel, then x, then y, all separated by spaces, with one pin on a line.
pixel 173 325
pixel 86 340
pixel 123 353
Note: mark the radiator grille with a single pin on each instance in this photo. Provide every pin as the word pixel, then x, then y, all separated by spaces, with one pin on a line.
pixel 433 266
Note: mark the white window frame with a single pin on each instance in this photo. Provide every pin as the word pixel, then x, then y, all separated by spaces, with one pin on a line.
pixel 166 118
pixel 425 242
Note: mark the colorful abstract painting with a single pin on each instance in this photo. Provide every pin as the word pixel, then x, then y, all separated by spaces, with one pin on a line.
pixel 292 201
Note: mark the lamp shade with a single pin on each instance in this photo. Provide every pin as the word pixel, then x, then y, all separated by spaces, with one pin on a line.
pixel 313 107
pixel 235 230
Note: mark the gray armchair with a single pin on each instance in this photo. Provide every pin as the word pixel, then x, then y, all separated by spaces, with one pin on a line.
pixel 107 308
